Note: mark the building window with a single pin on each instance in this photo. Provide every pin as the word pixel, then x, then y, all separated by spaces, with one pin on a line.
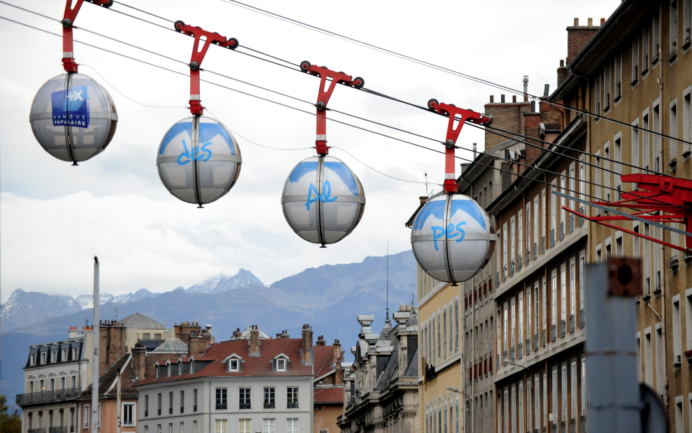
pixel 63 352
pixel 86 416
pixel 439 339
pixel 182 427
pixel 43 358
pixel 648 360
pixel 182 401
pixel 221 398
pixel 222 426
pixel 194 400
pixel 146 336
pixel 520 310
pixel 269 425
pixel 688 319
pixel 244 401
pixel 146 405
pixel 269 397
pixel 245 426
pixel 554 408
pixel 292 425
pixel 504 329
pixel 157 336
pixel 280 365
pixel 170 402
pixel 129 414
pixel 553 299
pixel 677 331
pixel 234 365
pixel 572 288
pixel 53 356
pixel 660 367
pixel 194 426
pixel 292 397
pixel 563 293
pixel 456 326
pixel 32 359
pixel 444 331
pixel 160 403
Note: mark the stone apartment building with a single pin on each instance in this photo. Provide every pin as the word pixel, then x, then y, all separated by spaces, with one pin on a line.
pixel 381 387
pixel 245 384
pixel 637 70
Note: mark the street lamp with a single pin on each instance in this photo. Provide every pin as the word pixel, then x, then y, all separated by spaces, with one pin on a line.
pixel 457 391
pixel 516 365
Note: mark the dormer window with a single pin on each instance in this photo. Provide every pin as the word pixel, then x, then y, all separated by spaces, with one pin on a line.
pixel 64 355
pixel 74 353
pixel 234 365
pixel 43 357
pixel 192 366
pixel 53 356
pixel 169 370
pixel 281 363
pixel 156 368
pixel 32 359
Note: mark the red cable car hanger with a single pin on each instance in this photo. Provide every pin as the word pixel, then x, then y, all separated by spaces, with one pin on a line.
pixel 67 23
pixel 451 111
pixel 669 197
pixel 197 57
pixel 323 98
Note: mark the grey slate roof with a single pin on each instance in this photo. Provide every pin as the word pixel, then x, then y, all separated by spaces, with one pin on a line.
pixel 140 321
pixel 172 345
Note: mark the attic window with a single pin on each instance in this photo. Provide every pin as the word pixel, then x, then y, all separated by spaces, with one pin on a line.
pixel 280 365
pixel 192 366
pixel 64 355
pixel 32 359
pixel 169 370
pixel 234 365
pixel 54 356
pixel 180 367
pixel 74 353
pixel 43 357
pixel 156 367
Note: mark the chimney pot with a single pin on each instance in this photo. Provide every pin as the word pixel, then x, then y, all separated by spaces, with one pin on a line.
pixel 514 98
pixel 576 22
pixel 502 99
pixel 562 63
pixel 602 21
pixel 590 21
pixel 492 99
pixel 254 341
pixel 422 199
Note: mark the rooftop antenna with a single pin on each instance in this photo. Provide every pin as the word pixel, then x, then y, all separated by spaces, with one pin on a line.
pixel 116 314
pixel 426 185
pixel 387 323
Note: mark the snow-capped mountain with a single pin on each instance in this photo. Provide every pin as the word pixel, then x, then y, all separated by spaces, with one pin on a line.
pixel 223 283
pixel 25 308
pixel 87 301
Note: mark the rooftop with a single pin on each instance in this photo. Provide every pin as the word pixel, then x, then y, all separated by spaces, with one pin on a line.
pixel 140 321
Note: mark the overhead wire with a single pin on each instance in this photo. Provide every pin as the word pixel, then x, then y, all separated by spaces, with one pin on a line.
pixel 376 93
pixel 443 69
pixel 297 109
pixel 304 101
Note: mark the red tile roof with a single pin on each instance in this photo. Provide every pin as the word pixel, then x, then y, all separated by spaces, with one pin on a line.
pixel 253 366
pixel 329 395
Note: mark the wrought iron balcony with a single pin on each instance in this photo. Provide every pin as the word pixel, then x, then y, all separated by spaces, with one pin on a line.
pixel 543 245
pixel 292 405
pixel 543 337
pixel 535 342
pixel 570 223
pixel 511 354
pixel 36 430
pixel 504 274
pixel 687 257
pixel 511 269
pixel 57 429
pixel 528 346
pixel 562 230
pixel 520 350
pixel 553 333
pixel 562 329
pixel 497 279
pixel 527 257
pixel 534 251
pixel 582 321
pixel 674 263
pixel 552 238
pixel 581 220
pixel 48 396
pixel 571 323
pixel 519 262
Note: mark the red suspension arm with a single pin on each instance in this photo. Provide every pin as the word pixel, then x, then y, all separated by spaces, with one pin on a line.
pixel 67 22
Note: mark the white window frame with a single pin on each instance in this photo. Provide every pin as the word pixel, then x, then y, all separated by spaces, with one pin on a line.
pixel 133 414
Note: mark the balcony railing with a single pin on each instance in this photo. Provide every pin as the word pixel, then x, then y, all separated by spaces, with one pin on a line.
pixel 519 262
pixel 37 430
pixel 528 346
pixel 504 274
pixel 292 405
pixel 543 337
pixel 562 329
pixel 57 429
pixel 535 342
pixel 48 396
pixel 674 263
pixel 520 350
pixel 570 223
pixel 553 333
pixel 527 257
pixel 552 238
pixel 562 230
pixel 542 245
pixel 534 250
pixel 511 354
pixel 244 406
pixel 511 269
pixel 571 323
pixel 497 279
pixel 581 319
pixel 581 220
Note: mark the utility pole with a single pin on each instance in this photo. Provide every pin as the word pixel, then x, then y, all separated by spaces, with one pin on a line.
pixel 118 403
pixel 95 362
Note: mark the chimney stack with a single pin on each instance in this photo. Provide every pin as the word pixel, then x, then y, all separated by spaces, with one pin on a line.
pixel 306 351
pixel 320 341
pixel 237 333
pixel 339 373
pixel 578 36
pixel 254 341
pixel 526 88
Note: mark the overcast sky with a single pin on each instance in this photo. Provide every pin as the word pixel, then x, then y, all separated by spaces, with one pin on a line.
pixel 55 217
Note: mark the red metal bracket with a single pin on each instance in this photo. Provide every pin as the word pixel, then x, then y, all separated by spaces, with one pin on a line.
pixel 197 57
pixel 67 22
pixel 451 111
pixel 323 97
pixel 658 199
